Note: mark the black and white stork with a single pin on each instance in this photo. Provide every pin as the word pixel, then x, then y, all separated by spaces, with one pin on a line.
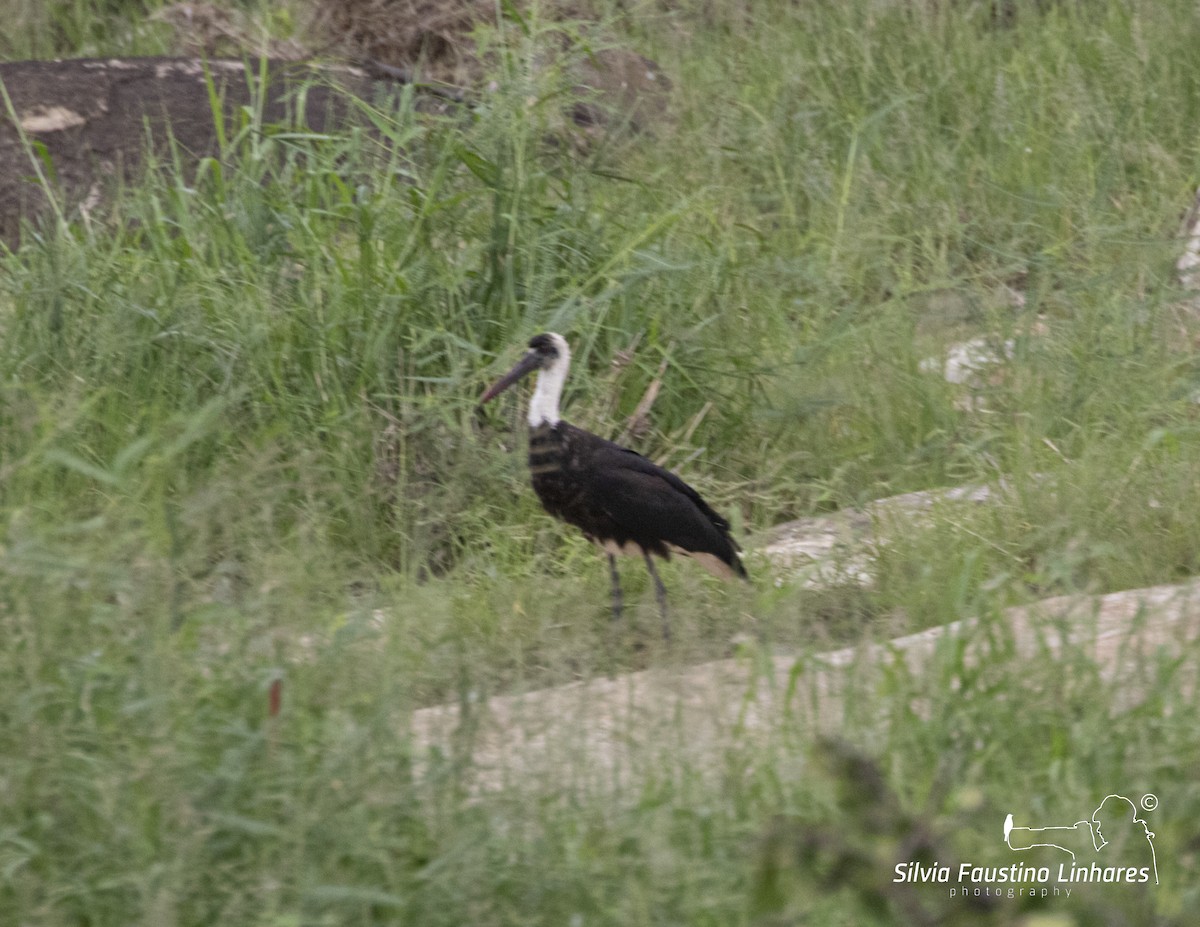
pixel 621 501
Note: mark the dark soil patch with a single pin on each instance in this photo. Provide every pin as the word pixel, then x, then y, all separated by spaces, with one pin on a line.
pixel 78 126
pixel 82 125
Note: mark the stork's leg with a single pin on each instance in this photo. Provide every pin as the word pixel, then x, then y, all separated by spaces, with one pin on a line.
pixel 661 591
pixel 616 583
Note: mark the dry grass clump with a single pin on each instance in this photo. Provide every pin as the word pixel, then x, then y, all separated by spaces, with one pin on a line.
pixel 435 40
pixel 432 37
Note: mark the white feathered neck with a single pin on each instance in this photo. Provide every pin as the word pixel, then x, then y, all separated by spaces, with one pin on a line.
pixel 543 408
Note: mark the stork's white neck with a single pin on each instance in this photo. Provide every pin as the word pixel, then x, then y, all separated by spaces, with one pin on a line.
pixel 543 408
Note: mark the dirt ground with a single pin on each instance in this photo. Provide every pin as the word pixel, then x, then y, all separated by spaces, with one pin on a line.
pixel 603 730
pixel 77 126
pixel 82 125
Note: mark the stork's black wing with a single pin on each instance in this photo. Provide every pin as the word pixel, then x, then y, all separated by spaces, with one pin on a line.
pixel 651 505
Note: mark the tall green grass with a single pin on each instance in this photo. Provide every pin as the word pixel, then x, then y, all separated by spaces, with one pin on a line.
pixel 239 443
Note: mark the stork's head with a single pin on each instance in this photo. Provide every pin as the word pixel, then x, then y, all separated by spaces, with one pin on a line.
pixel 549 355
pixel 548 352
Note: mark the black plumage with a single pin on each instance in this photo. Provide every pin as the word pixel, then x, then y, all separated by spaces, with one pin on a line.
pixel 623 502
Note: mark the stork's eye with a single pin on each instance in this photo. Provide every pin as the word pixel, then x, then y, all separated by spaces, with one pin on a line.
pixel 544 345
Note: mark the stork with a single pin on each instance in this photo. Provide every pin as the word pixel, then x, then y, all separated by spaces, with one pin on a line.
pixel 621 501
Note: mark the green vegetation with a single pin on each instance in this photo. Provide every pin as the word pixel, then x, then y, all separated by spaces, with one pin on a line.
pixel 239 443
